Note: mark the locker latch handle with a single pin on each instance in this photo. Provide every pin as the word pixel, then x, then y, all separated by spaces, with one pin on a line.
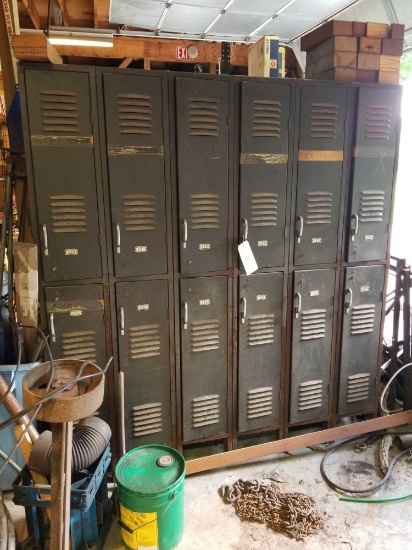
pixel 298 297
pixel 243 305
pixel 118 238
pixel 45 240
pixel 245 229
pixel 52 331
pixel 354 230
pixel 185 315
pixel 348 303
pixel 299 229
pixel 121 321
pixel 184 238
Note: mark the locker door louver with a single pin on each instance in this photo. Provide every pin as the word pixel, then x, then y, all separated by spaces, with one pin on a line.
pixel 68 214
pixel 323 120
pixel 313 324
pixel 261 329
pixel 204 335
pixel 205 410
pixel 79 345
pixel 139 212
pixel 378 122
pixel 264 207
pixel 144 341
pixel 259 402
pixel 59 112
pixel 147 419
pixel 203 117
pixel 204 211
pixel 266 118
pixel 134 114
pixel 318 207
pixel 362 319
pixel 358 387
pixel 310 395
pixel 372 204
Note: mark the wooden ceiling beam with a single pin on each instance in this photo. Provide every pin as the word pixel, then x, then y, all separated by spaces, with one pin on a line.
pixel 36 48
pixel 31 9
pixel 65 14
pixel 101 14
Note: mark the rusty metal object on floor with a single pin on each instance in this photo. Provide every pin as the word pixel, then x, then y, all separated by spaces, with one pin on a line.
pixel 292 514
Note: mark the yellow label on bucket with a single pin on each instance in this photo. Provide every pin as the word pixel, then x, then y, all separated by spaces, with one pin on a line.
pixel 143 529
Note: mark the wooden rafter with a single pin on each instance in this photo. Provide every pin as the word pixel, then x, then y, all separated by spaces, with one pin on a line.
pixel 65 14
pixel 31 9
pixel 125 63
pixel 101 14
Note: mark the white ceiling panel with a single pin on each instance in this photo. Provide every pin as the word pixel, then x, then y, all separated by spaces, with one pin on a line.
pixel 315 8
pixel 185 18
pixel 138 13
pixel 287 27
pixel 237 24
pixel 220 4
pixel 268 7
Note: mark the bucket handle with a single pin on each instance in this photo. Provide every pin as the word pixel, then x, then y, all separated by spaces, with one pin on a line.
pixel 172 497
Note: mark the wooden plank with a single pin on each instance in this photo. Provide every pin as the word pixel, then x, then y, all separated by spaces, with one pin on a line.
pixel 363 75
pixel 65 13
pixel 331 61
pixel 390 63
pixel 339 75
pixel 392 46
pixel 333 44
pixel 7 58
pixel 331 28
pixel 378 30
pixel 368 44
pixel 125 63
pixel 237 456
pixel 368 61
pixel 397 31
pixel 31 9
pixel 36 48
pixel 359 28
pixel 101 10
pixel 146 64
pixel 388 77
pixel 26 284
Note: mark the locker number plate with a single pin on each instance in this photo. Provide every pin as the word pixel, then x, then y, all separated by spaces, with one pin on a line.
pixel 75 313
pixel 314 293
pixel 205 302
pixel 317 240
pixel 71 252
pixel 263 243
pixel 138 249
pixel 204 246
pixel 369 237
pixel 143 307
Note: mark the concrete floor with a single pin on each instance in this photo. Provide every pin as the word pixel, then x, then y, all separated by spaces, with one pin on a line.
pixel 210 524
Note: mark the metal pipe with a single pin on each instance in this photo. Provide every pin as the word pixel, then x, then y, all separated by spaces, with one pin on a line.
pixel 7 201
pixel 122 430
pixel 395 334
pixel 407 379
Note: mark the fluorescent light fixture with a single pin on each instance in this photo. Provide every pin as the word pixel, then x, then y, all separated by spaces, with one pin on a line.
pixel 261 26
pixel 285 6
pixel 162 17
pixel 70 41
pixel 228 5
pixel 218 16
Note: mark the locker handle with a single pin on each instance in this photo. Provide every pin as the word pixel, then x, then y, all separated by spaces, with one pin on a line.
pixel 45 240
pixel 118 238
pixel 348 303
pixel 185 315
pixel 298 307
pixel 245 229
pixel 121 321
pixel 243 304
pixel 184 223
pixel 354 230
pixel 299 230
pixel 52 331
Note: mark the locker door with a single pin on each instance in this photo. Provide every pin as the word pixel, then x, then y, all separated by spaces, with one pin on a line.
pixel 319 178
pixel 144 357
pixel 311 343
pixel 260 349
pixel 264 170
pixel 204 311
pixel 373 173
pixel 360 337
pixel 135 149
pixel 203 179
pixel 61 135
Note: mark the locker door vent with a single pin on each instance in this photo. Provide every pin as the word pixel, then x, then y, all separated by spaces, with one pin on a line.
pixel 264 209
pixel 147 419
pixel 204 209
pixel 358 387
pixel 144 341
pixel 362 319
pixel 203 117
pixel 205 335
pixel 205 410
pixel 68 214
pixel 261 329
pixel 310 395
pixel 139 212
pixel 59 112
pixel 323 120
pixel 266 118
pixel 318 207
pixel 313 324
pixel 134 114
pixel 372 204
pixel 378 122
pixel 79 345
pixel 259 402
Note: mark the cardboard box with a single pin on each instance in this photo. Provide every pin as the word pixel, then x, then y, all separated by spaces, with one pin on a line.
pixel 264 57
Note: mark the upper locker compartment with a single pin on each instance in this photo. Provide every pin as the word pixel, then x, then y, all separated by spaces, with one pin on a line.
pixel 373 173
pixel 136 163
pixel 264 155
pixel 319 174
pixel 61 136
pixel 202 173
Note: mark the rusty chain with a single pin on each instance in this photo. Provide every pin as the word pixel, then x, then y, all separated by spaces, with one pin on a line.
pixel 293 514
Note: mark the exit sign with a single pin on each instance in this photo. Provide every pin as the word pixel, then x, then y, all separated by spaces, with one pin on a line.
pixel 182 53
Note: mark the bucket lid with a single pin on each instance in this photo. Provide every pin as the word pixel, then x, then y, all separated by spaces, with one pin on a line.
pixel 150 468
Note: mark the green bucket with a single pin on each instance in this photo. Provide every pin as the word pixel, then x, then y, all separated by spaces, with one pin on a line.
pixel 150 483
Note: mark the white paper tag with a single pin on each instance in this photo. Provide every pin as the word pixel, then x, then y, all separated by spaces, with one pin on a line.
pixel 247 257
